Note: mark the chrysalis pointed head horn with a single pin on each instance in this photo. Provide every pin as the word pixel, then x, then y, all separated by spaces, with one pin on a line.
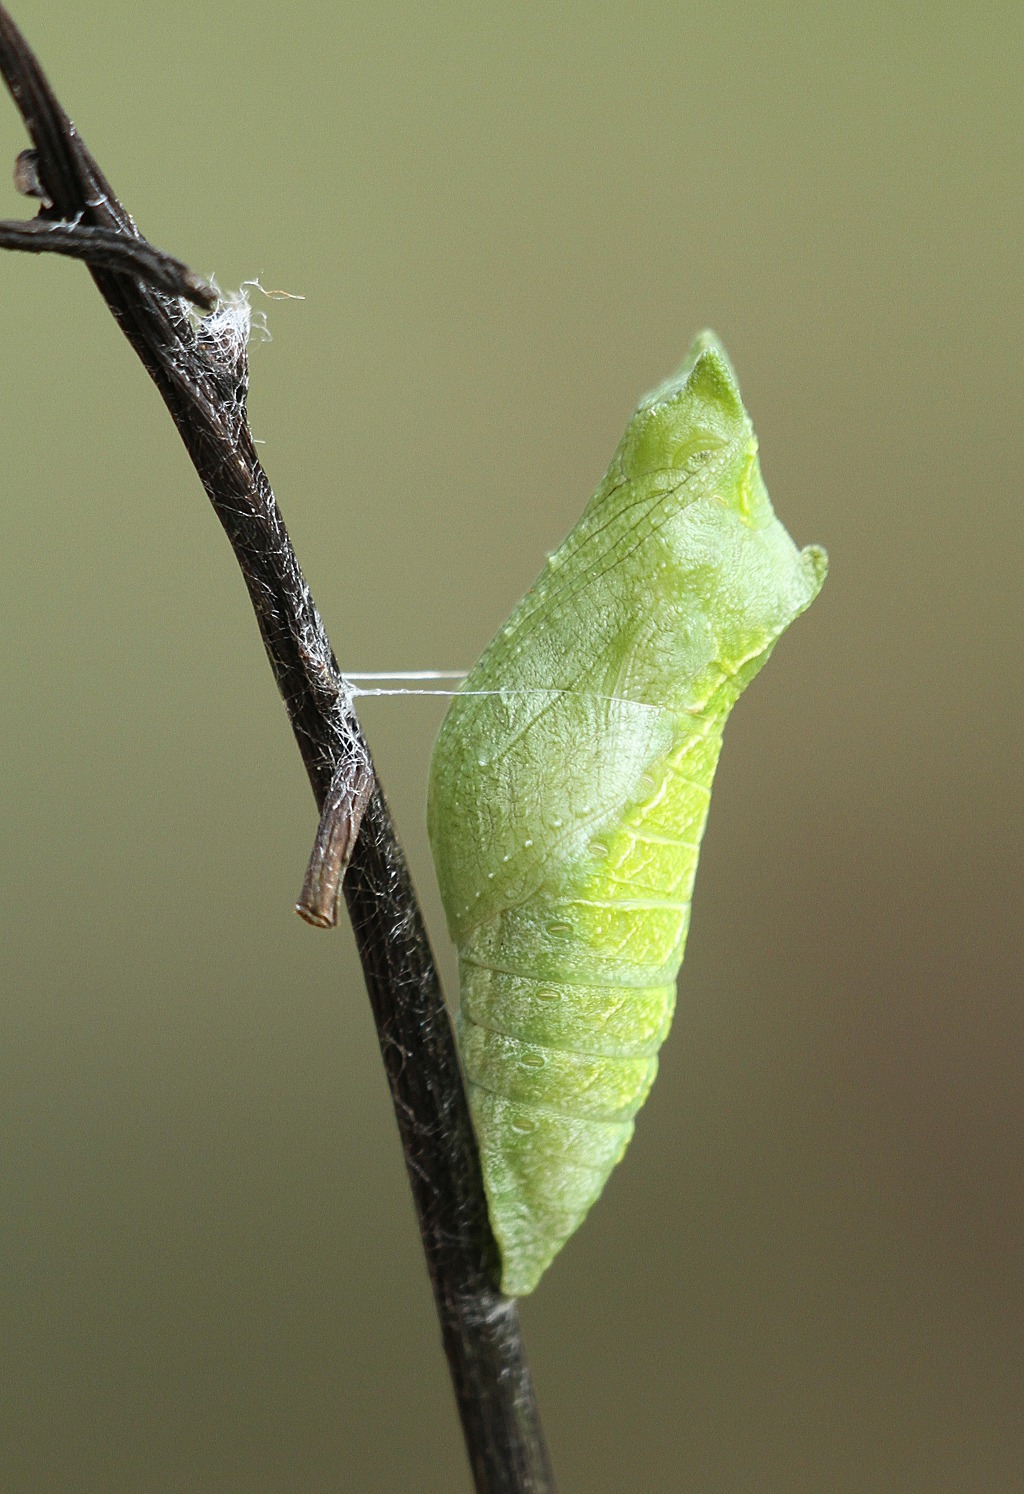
pixel 697 410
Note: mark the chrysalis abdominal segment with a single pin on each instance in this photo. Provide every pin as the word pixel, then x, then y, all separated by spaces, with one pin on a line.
pixel 570 786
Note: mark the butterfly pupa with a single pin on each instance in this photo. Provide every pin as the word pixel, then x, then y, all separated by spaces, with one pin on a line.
pixel 569 790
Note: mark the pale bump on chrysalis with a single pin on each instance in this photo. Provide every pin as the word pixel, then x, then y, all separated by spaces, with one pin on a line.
pixel 569 790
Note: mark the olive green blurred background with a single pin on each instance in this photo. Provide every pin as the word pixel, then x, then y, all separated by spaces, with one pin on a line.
pixel 507 222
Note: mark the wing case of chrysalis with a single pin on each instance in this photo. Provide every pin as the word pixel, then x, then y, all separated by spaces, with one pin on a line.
pixel 569 789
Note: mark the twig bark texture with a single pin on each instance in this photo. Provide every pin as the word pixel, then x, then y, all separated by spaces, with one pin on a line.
pixel 201 372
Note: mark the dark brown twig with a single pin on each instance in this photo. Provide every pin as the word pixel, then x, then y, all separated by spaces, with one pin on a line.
pixel 201 371
pixel 108 250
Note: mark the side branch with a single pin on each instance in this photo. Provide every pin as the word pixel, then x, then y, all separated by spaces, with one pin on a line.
pixel 108 251
pixel 200 369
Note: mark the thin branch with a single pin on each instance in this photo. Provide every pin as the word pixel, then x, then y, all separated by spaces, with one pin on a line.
pixel 201 371
pixel 108 250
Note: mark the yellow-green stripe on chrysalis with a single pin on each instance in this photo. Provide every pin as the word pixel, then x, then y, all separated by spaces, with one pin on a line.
pixel 569 789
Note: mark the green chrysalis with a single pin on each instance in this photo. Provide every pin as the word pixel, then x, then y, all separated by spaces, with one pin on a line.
pixel 569 789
